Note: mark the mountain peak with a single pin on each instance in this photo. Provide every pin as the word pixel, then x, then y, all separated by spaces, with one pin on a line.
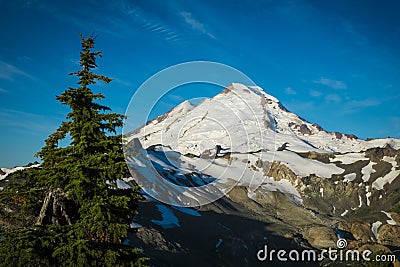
pixel 243 119
pixel 184 107
pixel 256 90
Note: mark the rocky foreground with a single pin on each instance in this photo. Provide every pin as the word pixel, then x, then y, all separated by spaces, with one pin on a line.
pixel 291 183
pixel 230 231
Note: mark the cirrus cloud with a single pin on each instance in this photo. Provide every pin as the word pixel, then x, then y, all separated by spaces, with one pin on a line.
pixel 195 24
pixel 290 91
pixel 335 84
pixel 356 105
pixel 315 93
pixel 8 72
pixel 333 98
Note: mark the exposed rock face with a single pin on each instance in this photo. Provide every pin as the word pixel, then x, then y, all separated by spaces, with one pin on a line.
pixel 360 231
pixel 151 236
pixel 377 153
pixel 386 234
pixel 374 248
pixel 282 147
pixel 338 135
pixel 318 127
pixel 396 217
pixel 351 136
pixel 280 171
pixel 321 237
pixel 304 129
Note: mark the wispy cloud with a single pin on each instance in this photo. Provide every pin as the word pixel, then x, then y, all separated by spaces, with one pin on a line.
pixel 335 84
pixel 124 83
pixel 363 103
pixel 27 121
pixel 290 91
pixel 166 105
pixel 315 93
pixel 73 60
pixel 195 24
pixel 152 23
pixel 2 90
pixel 8 72
pixel 333 98
pixel 356 105
pixel 121 17
pixel 176 98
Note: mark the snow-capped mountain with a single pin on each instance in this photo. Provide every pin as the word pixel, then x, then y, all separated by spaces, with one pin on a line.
pixel 236 136
pixel 245 119
pixel 309 184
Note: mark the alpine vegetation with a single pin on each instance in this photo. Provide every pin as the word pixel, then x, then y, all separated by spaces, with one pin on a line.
pixel 69 211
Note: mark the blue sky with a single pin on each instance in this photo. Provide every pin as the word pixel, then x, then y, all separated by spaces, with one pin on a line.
pixel 336 63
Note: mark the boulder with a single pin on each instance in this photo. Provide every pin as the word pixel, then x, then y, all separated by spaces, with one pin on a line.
pixel 321 237
pixel 389 235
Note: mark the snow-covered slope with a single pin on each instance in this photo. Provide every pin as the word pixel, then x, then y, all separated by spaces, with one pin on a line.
pixel 235 137
pixel 245 119
pixel 5 171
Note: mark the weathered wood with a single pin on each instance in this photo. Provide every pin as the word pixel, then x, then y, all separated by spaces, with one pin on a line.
pixel 53 210
pixel 44 208
pixel 64 213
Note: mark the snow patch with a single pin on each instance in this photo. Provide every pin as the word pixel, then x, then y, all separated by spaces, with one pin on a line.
pixel 390 221
pixel 349 158
pixel 251 195
pixel 135 225
pixel 367 195
pixel 169 220
pixel 305 167
pixel 283 186
pixel 9 171
pixel 349 177
pixel 121 184
pixel 367 171
pixel 388 178
pixel 218 243
pixel 375 227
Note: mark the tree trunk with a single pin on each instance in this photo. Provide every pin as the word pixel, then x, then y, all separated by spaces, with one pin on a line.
pixel 53 210
pixel 44 208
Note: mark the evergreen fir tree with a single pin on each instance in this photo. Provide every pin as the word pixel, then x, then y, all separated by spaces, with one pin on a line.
pixel 70 212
